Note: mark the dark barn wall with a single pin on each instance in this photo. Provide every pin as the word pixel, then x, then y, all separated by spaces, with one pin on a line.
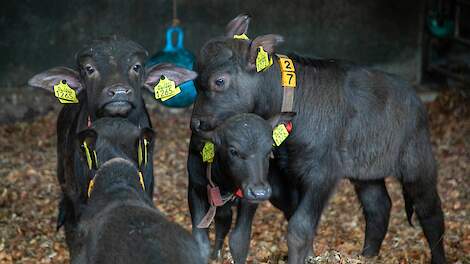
pixel 36 35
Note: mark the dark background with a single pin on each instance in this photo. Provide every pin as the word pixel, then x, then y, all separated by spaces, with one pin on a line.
pixel 38 35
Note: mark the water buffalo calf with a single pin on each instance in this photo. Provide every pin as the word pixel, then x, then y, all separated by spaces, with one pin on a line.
pixel 352 122
pixel 108 80
pixel 243 145
pixel 120 224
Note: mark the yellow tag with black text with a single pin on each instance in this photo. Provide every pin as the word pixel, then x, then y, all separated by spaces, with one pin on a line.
pixel 242 36
pixel 288 79
pixel 166 89
pixel 286 64
pixel 280 134
pixel 208 152
pixel 263 61
pixel 64 93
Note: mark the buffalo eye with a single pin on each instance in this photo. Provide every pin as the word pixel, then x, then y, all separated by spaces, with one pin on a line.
pixel 89 69
pixel 219 82
pixel 137 67
pixel 233 152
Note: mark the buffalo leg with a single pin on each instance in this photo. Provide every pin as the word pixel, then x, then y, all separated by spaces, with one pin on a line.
pixel 198 203
pixel 223 222
pixel 376 205
pixel 419 180
pixel 303 223
pixel 240 236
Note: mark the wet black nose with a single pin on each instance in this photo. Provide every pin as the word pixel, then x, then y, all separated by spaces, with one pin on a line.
pixel 117 91
pixel 259 193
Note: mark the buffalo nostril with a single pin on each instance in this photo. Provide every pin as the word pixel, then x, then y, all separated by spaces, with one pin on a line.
pixel 259 193
pixel 118 91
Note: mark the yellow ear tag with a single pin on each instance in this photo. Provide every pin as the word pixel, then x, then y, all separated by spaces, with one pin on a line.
pixel 64 93
pixel 91 185
pixel 263 61
pixel 139 153
pixel 141 180
pixel 242 36
pixel 280 134
pixel 142 155
pixel 166 89
pixel 146 142
pixel 208 152
pixel 96 158
pixel 88 156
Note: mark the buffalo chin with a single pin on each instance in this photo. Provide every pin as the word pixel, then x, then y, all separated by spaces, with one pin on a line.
pixel 119 108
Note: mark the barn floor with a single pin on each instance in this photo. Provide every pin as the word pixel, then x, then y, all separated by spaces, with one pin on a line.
pixel 29 195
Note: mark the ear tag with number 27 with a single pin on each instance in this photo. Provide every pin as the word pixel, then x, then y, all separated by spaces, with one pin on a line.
pixel 166 89
pixel 64 93
pixel 263 61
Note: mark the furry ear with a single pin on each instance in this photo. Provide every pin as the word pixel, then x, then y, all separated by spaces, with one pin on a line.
pixel 268 42
pixel 87 140
pixel 238 26
pixel 282 117
pixel 210 136
pixel 47 79
pixel 147 133
pixel 144 144
pixel 177 74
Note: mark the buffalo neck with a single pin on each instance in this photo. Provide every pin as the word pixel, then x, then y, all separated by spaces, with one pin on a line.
pixel 268 100
pixel 117 195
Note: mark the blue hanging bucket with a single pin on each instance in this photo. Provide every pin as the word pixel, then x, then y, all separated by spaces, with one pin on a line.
pixel 181 57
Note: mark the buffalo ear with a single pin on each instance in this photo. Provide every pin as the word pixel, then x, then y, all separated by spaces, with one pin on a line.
pixel 280 118
pixel 88 136
pixel 177 74
pixel 87 140
pixel 47 79
pixel 268 42
pixel 238 25
pixel 210 136
pixel 144 145
pixel 148 134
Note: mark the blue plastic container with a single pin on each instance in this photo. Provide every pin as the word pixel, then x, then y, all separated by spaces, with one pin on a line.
pixel 179 56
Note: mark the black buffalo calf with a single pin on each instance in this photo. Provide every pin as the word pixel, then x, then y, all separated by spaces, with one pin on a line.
pixel 107 80
pixel 352 122
pixel 120 224
pixel 240 167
